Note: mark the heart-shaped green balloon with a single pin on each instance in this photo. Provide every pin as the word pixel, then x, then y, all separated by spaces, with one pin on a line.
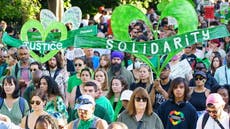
pixel 184 13
pixel 121 18
pixel 37 25
pixel 123 15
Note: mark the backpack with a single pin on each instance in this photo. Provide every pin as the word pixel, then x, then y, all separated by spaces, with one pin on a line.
pixel 21 104
pixel 16 71
pixel 205 119
pixel 93 126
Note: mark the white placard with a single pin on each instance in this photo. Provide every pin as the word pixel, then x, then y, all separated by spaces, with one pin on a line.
pixel 47 17
pixel 181 69
pixel 72 15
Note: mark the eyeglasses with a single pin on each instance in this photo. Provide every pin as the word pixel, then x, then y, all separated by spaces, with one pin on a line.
pixel 4 56
pixel 213 112
pixel 36 102
pixel 199 78
pixel 199 68
pixel 82 111
pixel 78 65
pixel 31 70
pixel 138 99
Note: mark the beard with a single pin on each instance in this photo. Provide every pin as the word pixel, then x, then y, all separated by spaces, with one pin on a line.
pixel 24 60
pixel 115 67
pixel 52 66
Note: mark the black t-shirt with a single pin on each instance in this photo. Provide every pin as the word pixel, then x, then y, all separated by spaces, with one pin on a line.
pixel 133 86
pixel 159 98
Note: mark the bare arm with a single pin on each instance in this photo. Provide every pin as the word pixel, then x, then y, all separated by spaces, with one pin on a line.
pixel 102 124
pixel 159 88
pixel 69 126
pixel 23 122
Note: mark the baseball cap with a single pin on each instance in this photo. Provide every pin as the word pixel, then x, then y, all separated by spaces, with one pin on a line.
pixel 215 99
pixel 126 95
pixel 217 41
pixel 84 102
pixel 201 73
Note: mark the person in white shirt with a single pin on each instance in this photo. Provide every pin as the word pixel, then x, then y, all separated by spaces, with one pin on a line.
pixel 216 117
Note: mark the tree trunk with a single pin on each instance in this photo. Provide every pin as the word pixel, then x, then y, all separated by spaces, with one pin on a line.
pixel 57 7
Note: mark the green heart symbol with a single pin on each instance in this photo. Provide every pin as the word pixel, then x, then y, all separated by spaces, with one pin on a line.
pixel 128 13
pixel 44 33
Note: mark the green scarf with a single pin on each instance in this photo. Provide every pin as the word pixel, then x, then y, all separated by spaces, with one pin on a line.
pixel 86 124
pixel 117 108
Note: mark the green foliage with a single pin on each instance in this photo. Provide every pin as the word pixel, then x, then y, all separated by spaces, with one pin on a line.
pixel 140 4
pixel 19 10
pixel 67 4
pixel 91 6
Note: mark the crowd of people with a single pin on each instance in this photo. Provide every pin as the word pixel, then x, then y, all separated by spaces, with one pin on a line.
pixel 88 88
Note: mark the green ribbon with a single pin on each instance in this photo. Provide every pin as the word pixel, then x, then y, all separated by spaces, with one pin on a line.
pixel 117 108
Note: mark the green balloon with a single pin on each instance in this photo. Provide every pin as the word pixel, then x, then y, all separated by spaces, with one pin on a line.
pixel 184 13
pixel 122 17
pixel 44 33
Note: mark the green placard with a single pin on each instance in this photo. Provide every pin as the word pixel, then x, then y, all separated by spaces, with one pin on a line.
pixel 159 47
pixel 88 30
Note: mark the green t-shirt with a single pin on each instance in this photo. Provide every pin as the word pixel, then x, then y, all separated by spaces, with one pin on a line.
pixel 72 82
pixel 15 113
pixel 104 102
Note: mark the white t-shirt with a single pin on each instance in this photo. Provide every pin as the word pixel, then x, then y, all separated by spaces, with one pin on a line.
pixel 212 124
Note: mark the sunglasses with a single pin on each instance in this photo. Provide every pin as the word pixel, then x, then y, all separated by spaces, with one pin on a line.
pixel 213 112
pixel 78 65
pixel 31 70
pixel 36 102
pixel 139 99
pixel 199 78
pixel 199 68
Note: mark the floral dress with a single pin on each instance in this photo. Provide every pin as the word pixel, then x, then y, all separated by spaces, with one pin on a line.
pixel 56 106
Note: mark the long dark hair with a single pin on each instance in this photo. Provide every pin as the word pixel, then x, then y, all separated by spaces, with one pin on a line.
pixel 9 79
pixel 52 88
pixel 212 67
pixel 174 84
pixel 59 62
pixel 124 83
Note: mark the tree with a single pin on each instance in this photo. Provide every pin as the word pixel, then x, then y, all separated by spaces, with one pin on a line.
pixel 19 10
pixel 91 6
